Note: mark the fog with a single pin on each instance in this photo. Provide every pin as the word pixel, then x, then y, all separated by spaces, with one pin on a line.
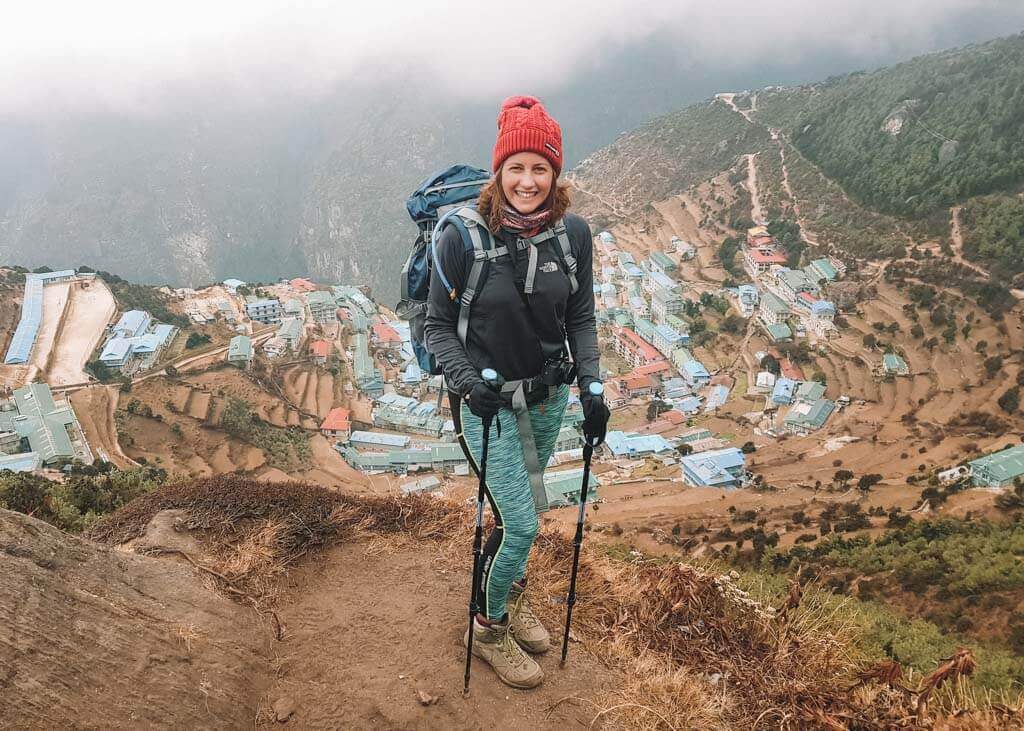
pixel 130 57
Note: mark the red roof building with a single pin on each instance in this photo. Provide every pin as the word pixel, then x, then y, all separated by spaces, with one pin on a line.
pixel 674 417
pixel 338 424
pixel 387 336
pixel 760 259
pixel 659 368
pixel 320 349
pixel 634 349
pixel 633 386
pixel 302 285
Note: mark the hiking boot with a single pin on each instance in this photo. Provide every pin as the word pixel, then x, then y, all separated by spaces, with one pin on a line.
pixel 496 646
pixel 526 628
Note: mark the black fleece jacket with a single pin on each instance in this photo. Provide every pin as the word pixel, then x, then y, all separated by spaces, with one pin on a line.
pixel 510 331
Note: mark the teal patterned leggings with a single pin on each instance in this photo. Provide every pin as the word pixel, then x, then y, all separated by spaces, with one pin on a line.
pixel 508 490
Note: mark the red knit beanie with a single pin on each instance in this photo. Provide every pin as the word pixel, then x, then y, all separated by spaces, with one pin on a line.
pixel 524 126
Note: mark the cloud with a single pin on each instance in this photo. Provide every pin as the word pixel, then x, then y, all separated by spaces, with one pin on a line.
pixel 131 55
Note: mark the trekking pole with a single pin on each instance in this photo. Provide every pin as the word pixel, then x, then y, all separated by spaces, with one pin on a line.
pixel 490 377
pixel 588 452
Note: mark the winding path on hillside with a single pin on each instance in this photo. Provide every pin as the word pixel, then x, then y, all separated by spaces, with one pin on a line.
pixel 956 234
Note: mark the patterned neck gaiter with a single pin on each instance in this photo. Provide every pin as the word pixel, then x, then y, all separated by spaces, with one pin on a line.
pixel 525 224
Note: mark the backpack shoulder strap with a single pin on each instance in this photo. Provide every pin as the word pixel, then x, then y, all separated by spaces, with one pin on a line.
pixel 565 251
pixel 480 245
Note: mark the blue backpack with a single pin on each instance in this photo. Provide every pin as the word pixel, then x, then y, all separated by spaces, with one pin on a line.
pixel 444 198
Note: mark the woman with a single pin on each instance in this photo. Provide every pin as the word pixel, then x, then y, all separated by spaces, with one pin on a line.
pixel 529 307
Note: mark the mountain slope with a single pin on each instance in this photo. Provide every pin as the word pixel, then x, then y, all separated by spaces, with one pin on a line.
pixel 91 637
pixel 921 135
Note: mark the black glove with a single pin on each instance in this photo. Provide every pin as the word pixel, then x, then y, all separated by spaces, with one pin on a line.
pixel 484 401
pixel 595 419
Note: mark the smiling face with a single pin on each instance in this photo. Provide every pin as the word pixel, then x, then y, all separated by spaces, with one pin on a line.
pixel 526 180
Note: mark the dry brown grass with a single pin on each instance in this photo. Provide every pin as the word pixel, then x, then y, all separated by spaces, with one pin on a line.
pixel 697 651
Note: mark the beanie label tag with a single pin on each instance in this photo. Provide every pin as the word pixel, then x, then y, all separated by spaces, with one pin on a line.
pixel 554 150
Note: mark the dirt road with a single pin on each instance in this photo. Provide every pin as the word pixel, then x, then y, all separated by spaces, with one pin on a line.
pixel 94 406
pixel 89 309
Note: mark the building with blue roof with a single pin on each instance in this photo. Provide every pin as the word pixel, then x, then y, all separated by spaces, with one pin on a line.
pixel 784 391
pixel 266 310
pixel 232 285
pixel 116 353
pixel 632 271
pixel 694 372
pixel 638 306
pixel 717 397
pixel 717 468
pixel 131 324
pixel 20 349
pixel 673 388
pixel 666 340
pixel 747 298
pixel 25 462
pixel 688 405
pixel 658 282
pixel 623 444
pixel 413 374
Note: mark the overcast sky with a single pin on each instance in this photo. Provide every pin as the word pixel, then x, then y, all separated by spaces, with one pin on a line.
pixel 133 54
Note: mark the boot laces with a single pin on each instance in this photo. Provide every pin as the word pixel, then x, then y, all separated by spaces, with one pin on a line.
pixel 510 648
pixel 523 612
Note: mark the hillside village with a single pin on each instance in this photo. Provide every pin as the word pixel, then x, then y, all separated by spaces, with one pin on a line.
pixel 383 415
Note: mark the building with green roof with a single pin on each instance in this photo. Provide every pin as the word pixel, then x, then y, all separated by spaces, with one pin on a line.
pixel 48 428
pixel 820 269
pixel 240 350
pixel 367 375
pixel 805 417
pixel 563 488
pixel 810 391
pixel 999 469
pixel 894 365
pixel 436 457
pixel 662 262
pixel 772 309
pixel 779 332
pixel 321 306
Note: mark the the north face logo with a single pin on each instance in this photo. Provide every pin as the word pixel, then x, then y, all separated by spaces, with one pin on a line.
pixel 549 266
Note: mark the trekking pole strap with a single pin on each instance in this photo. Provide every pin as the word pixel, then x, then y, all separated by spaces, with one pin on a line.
pixel 528 442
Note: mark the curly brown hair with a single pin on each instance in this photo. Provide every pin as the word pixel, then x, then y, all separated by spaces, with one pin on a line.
pixel 492 200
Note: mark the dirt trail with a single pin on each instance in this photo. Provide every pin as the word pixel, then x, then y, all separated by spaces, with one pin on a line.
pixel 94 406
pixel 367 626
pixel 956 234
pixel 756 212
